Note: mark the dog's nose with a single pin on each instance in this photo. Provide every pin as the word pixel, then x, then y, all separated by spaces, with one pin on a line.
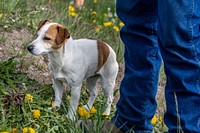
pixel 30 48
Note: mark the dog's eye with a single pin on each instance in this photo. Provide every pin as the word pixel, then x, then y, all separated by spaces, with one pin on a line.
pixel 47 38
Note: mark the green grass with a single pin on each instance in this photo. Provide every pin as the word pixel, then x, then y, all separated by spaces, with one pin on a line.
pixel 15 110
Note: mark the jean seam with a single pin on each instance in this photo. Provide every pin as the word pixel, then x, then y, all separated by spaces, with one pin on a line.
pixel 153 71
pixel 193 46
pixel 190 22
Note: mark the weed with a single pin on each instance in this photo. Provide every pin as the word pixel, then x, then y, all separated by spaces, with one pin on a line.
pixel 94 20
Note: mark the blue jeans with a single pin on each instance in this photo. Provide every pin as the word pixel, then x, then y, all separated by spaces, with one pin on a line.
pixel 157 30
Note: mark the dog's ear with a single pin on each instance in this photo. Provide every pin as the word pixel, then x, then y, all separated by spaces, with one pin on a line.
pixel 62 34
pixel 43 22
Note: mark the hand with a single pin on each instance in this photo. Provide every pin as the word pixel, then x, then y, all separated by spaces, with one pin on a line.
pixel 79 3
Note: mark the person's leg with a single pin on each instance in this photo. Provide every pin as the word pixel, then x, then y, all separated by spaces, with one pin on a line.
pixel 179 33
pixel 137 103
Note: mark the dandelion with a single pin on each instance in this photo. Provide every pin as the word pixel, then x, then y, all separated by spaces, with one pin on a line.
pixel 29 97
pixel 104 114
pixel 87 115
pixel 71 8
pixel 154 120
pixel 83 112
pixel 1 15
pixel 121 24
pixel 94 13
pixel 31 130
pixel 116 28
pixel 25 130
pixel 52 104
pixel 93 110
pixel 28 130
pixel 94 1
pixel 68 98
pixel 73 14
pixel 36 114
pixel 4 132
pixel 105 15
pixel 107 24
pixel 94 21
pixel 71 11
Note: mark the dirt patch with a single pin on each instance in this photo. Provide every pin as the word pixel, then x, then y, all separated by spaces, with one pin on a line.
pixel 13 44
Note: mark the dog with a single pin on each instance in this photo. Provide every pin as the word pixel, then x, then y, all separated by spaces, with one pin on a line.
pixel 73 61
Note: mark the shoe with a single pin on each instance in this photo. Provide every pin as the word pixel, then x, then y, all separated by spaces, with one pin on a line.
pixel 92 126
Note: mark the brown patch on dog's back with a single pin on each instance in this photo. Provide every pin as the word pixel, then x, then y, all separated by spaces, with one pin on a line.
pixel 103 53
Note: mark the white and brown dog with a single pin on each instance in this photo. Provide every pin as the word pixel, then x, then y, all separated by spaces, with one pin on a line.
pixel 73 61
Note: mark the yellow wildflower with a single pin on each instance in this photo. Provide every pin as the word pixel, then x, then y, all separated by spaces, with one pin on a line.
pixel 87 115
pixel 95 1
pixel 68 98
pixel 104 114
pixel 28 130
pixel 83 112
pixel 94 21
pixel 154 120
pixel 4 132
pixel 73 14
pixel 1 15
pixel 52 104
pixel 29 97
pixel 71 8
pixel 31 130
pixel 116 28
pixel 94 13
pixel 93 110
pixel 25 130
pixel 36 114
pixel 121 24
pixel 106 24
pixel 105 15
pixel 71 11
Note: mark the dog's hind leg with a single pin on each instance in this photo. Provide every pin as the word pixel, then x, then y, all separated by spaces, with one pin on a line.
pixel 91 85
pixel 108 77
pixel 108 88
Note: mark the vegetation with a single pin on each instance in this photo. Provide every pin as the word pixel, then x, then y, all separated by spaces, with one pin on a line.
pixel 24 101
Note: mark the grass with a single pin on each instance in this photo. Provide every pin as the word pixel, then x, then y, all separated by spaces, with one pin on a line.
pixel 94 20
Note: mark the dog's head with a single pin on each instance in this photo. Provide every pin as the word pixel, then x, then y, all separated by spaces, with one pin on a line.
pixel 50 36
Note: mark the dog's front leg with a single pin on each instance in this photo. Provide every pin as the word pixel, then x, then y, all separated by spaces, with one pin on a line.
pixel 75 96
pixel 58 89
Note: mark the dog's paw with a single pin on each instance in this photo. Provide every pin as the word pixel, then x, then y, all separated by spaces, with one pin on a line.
pixel 86 107
pixel 107 111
